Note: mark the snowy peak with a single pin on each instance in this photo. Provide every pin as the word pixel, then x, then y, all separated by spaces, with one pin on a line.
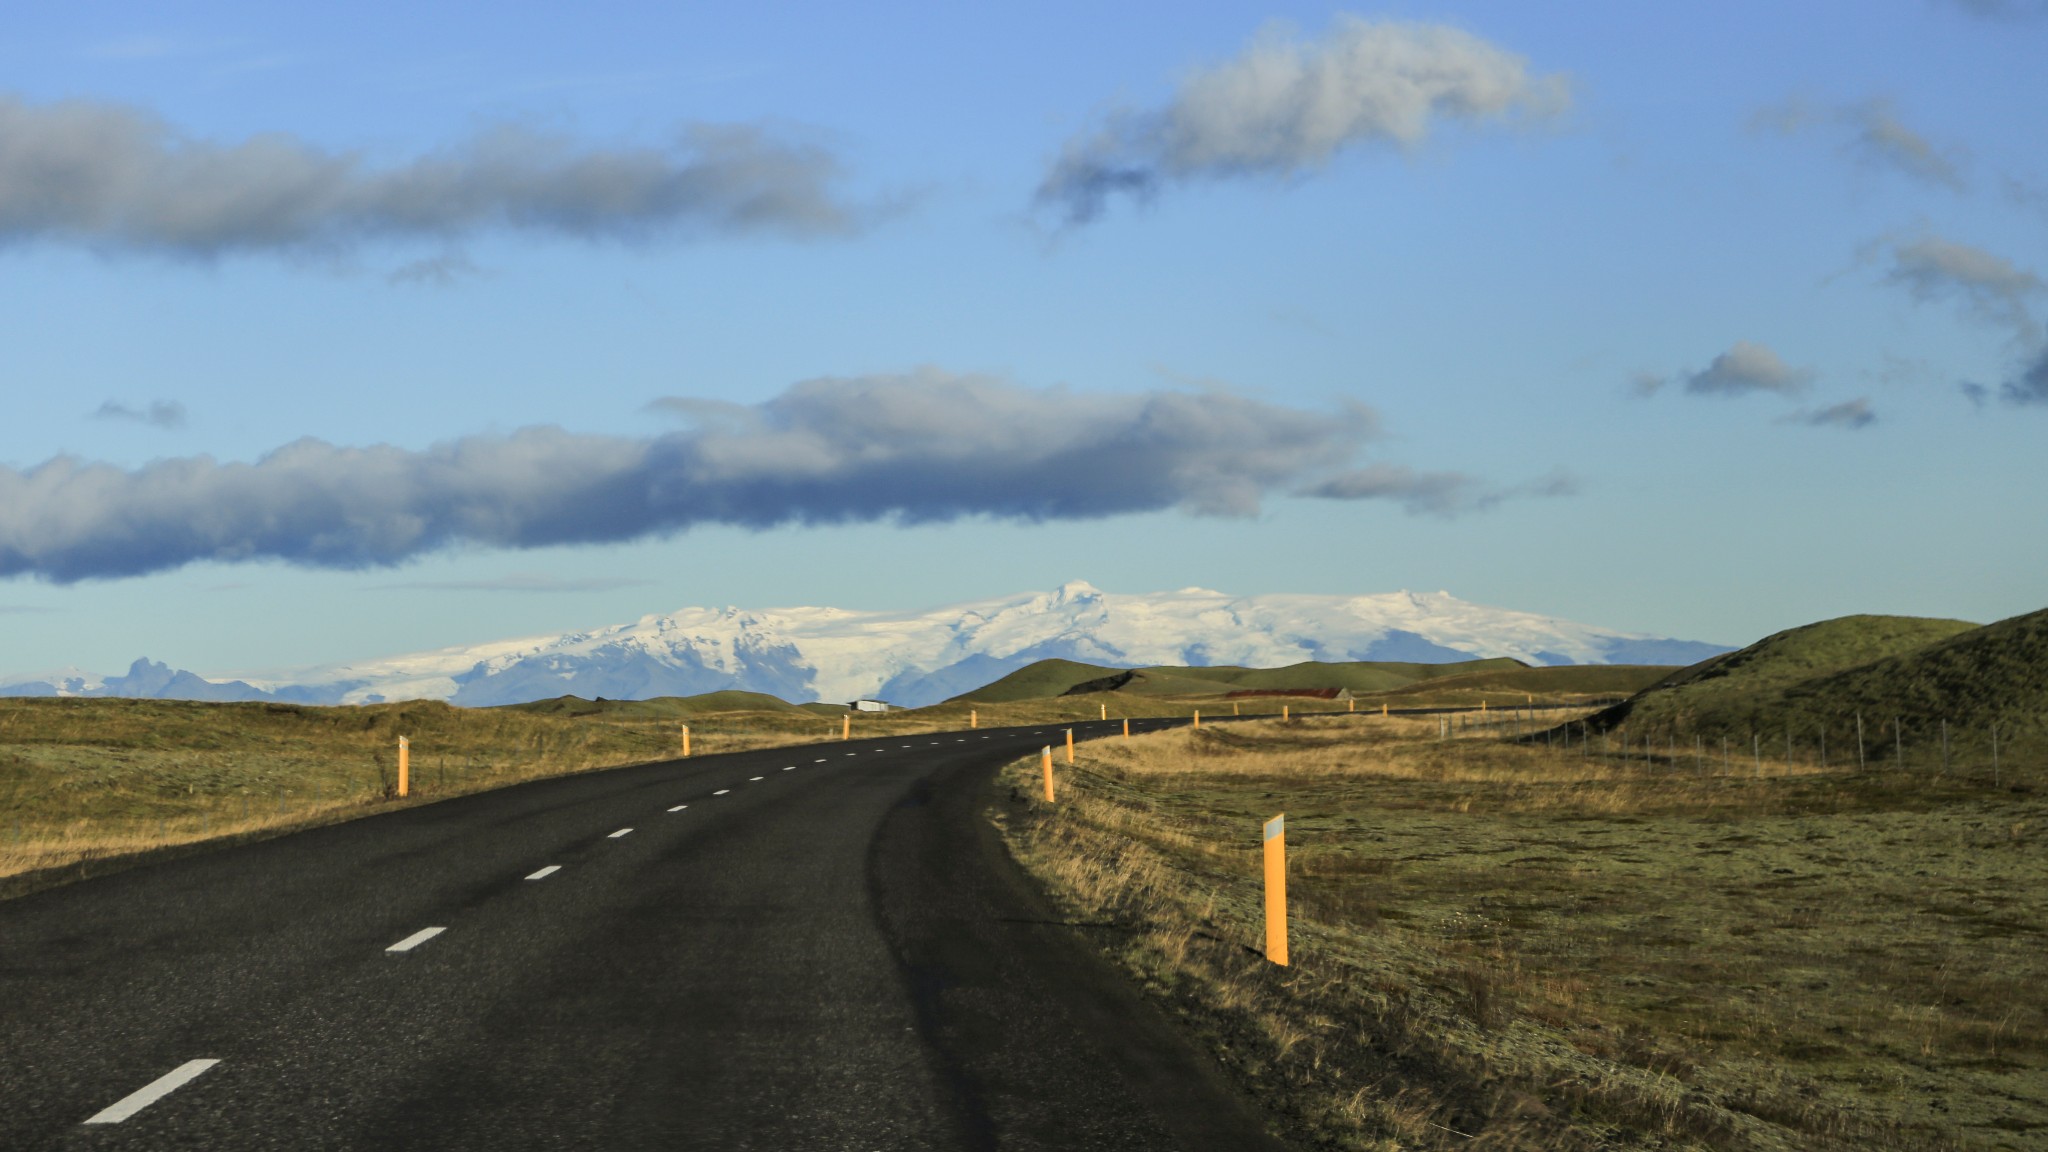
pixel 917 658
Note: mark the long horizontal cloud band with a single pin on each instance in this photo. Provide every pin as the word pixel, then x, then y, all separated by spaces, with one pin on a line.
pixel 115 177
pixel 921 447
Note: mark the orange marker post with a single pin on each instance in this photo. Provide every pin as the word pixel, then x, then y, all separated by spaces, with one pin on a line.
pixel 973 718
pixel 846 726
pixel 686 741
pixel 1383 709
pixel 1105 711
pixel 1351 705
pixel 1070 745
pixel 1048 773
pixel 1276 890
pixel 404 766
pixel 1127 727
pixel 1234 711
pixel 1284 712
pixel 1198 717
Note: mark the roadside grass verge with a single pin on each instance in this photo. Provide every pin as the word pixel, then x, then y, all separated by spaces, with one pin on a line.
pixel 1501 945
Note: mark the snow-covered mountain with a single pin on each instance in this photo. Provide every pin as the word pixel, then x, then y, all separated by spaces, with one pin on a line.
pixel 916 658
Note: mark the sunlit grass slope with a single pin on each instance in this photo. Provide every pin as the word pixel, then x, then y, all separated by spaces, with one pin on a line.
pixel 1510 945
pixel 1935 679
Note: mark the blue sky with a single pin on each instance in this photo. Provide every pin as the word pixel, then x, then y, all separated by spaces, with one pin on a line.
pixel 1703 323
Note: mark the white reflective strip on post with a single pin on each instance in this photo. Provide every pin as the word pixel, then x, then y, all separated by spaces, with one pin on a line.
pixel 1274 827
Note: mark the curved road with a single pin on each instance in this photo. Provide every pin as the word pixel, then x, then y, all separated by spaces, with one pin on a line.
pixel 803 948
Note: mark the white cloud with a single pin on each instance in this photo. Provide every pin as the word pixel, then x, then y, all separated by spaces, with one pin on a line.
pixel 926 446
pixel 1746 368
pixel 1874 135
pixel 1989 286
pixel 1286 105
pixel 117 178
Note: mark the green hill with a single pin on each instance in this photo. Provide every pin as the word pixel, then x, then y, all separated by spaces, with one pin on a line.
pixel 1886 669
pixel 1037 681
pixel 1049 678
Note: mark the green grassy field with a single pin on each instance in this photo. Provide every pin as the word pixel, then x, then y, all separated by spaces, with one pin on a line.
pixel 1502 945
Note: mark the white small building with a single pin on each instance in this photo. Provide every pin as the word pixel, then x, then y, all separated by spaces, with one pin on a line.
pixel 871 706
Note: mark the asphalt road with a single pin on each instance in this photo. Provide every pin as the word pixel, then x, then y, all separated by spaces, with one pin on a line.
pixel 801 948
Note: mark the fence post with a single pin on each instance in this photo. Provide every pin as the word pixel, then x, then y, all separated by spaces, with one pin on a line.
pixel 1994 755
pixel 1276 890
pixel 1859 742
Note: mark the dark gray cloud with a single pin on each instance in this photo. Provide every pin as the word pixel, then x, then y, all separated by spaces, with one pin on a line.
pixel 1287 105
pixel 443 271
pixel 156 414
pixel 1990 287
pixel 1851 415
pixel 2030 384
pixel 1875 136
pixel 1444 494
pixel 921 447
pixel 117 178
pixel 1745 368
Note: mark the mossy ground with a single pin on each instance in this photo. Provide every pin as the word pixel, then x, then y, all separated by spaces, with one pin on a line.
pixel 1502 945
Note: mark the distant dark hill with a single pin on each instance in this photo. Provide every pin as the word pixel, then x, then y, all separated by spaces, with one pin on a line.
pixel 1821 677
pixel 1048 678
pixel 1556 684
pixel 660 707
pixel 1037 681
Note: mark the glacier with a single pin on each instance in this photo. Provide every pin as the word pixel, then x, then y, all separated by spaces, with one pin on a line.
pixel 921 657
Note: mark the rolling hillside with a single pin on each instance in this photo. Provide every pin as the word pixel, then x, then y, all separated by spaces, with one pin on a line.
pixel 1820 678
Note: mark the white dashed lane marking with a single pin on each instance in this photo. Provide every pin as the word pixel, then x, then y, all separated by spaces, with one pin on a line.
pixel 817 761
pixel 721 791
pixel 791 768
pixel 153 1091
pixel 755 779
pixel 619 833
pixel 416 939
pixel 679 807
pixel 546 872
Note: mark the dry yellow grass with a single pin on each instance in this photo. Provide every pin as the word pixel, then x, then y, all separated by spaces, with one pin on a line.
pixel 1499 945
pixel 88 785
